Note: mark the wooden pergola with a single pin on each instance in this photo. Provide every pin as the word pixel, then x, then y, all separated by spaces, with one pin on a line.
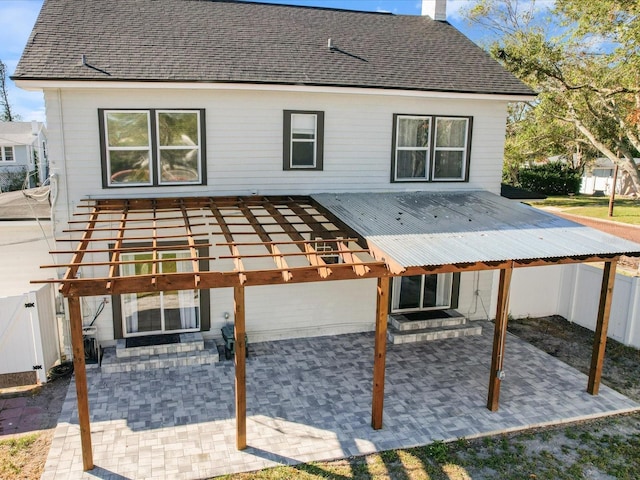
pixel 250 241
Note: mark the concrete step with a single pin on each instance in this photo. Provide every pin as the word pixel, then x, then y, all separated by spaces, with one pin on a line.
pixel 444 318
pixel 189 342
pixel 433 333
pixel 207 354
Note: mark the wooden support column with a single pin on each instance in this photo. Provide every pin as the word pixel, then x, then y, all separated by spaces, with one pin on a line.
pixel 499 337
pixel 602 325
pixel 240 360
pixel 80 373
pixel 380 349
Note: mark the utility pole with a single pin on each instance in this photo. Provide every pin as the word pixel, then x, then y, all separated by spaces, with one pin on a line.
pixel 612 197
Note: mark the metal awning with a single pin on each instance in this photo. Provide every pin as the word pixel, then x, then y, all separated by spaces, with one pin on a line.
pixel 426 229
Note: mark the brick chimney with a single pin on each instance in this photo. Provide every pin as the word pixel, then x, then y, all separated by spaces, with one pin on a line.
pixel 436 9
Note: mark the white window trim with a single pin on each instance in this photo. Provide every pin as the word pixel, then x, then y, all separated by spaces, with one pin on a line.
pixel 450 149
pixel 3 157
pixel 304 140
pixel 413 149
pixel 179 147
pixel 109 149
pixel 431 149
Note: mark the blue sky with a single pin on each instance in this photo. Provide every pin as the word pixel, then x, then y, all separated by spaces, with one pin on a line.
pixel 18 16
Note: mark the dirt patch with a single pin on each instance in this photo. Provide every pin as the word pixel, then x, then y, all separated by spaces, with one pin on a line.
pixel 24 457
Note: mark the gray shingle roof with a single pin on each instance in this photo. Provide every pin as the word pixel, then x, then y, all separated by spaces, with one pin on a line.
pixel 233 41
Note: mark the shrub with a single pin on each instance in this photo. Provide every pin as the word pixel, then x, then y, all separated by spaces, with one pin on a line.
pixel 11 180
pixel 553 178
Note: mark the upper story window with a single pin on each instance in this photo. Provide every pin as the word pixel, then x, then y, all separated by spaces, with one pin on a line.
pixel 6 154
pixel 428 148
pixel 303 140
pixel 152 147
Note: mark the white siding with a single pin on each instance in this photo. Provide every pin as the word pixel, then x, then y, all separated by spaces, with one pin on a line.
pixel 244 156
pixel 474 301
pixel 244 140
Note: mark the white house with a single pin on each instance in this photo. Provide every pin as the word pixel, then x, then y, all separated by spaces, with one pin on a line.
pixel 23 151
pixel 598 177
pixel 308 157
pixel 270 100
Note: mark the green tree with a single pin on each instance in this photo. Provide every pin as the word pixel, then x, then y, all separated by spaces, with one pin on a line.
pixel 584 59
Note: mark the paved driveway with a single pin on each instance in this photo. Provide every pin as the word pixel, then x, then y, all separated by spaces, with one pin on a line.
pixel 310 399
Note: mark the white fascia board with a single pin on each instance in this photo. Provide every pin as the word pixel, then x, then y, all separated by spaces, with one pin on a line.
pixel 38 85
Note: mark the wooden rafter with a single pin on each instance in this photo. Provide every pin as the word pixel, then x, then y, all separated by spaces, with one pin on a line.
pixel 115 256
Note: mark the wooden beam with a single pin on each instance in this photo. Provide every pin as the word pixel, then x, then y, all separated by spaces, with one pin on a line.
pixel 499 337
pixel 80 373
pixel 602 325
pixel 380 353
pixel 240 360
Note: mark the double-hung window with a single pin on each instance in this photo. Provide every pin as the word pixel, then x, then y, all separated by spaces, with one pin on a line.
pixel 152 147
pixel 429 148
pixel 303 140
pixel 6 154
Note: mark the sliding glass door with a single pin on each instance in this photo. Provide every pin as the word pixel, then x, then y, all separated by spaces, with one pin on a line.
pixel 421 292
pixel 159 312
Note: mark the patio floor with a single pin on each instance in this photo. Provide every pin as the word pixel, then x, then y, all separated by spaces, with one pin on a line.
pixel 310 399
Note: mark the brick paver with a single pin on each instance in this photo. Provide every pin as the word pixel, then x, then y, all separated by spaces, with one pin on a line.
pixel 310 399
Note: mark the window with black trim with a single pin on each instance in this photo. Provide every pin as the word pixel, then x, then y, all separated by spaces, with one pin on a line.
pixel 152 147
pixel 429 148
pixel 303 140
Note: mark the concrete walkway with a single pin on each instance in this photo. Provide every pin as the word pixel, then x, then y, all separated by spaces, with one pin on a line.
pixel 310 399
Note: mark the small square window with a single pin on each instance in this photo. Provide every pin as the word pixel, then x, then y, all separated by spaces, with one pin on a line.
pixel 303 140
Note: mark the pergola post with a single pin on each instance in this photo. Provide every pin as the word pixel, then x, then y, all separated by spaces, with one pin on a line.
pixel 80 372
pixel 602 325
pixel 499 338
pixel 380 349
pixel 240 364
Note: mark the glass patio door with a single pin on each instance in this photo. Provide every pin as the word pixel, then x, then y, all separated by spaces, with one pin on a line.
pixel 159 312
pixel 421 292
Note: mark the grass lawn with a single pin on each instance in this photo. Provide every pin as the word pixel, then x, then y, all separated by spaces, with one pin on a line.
pixel 608 448
pixel 625 210
pixel 16 457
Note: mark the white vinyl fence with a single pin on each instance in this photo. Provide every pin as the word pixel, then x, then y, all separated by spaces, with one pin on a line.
pixel 29 333
pixel 573 291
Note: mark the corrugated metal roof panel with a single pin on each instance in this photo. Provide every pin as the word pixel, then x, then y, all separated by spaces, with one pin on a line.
pixel 427 228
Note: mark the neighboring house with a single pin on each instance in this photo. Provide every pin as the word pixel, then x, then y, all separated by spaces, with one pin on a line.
pixel 309 156
pixel 23 150
pixel 598 177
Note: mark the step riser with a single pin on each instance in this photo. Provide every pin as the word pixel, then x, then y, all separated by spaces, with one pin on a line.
pixel 397 338
pixel 156 350
pixel 159 363
pixel 189 342
pixel 433 323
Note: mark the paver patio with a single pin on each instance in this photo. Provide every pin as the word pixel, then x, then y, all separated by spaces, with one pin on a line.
pixel 310 399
